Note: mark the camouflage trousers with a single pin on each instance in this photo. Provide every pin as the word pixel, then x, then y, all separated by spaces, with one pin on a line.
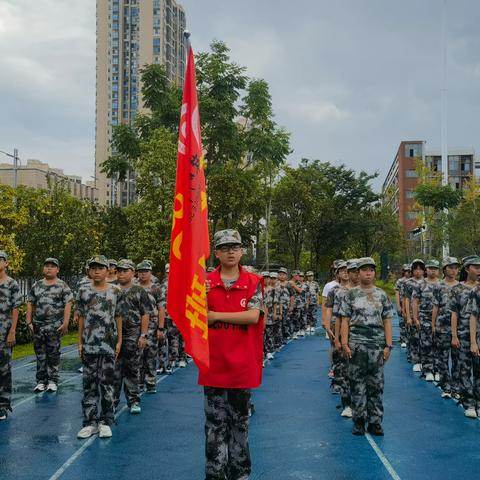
pixel 402 325
pixel 98 387
pixel 344 381
pixel 227 455
pixel 46 343
pixel 311 315
pixel 286 327
pixel 338 369
pixel 365 372
pixel 269 339
pixel 414 343
pixel 5 375
pixel 426 345
pixel 176 345
pixel 298 319
pixel 442 347
pixel 163 351
pixel 148 361
pixel 277 333
pixel 127 373
pixel 462 377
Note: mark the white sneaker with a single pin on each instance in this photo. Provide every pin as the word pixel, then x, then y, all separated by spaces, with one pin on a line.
pixel 403 345
pixel 437 377
pixel 346 412
pixel 52 387
pixel 269 356
pixel 39 388
pixel 104 431
pixel 182 363
pixel 326 336
pixel 417 367
pixel 429 377
pixel 446 395
pixel 301 333
pixel 80 369
pixel 470 412
pixel 87 432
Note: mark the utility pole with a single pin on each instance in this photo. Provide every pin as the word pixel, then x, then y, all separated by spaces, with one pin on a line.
pixel 16 162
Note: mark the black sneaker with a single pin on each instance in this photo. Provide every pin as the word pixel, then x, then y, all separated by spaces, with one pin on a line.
pixel 3 414
pixel 358 427
pixel 375 429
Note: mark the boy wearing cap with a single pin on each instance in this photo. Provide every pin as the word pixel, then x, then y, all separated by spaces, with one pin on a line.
pixel 10 300
pixel 313 292
pixel 272 315
pixel 422 307
pixel 284 299
pixel 413 328
pixel 148 370
pixel 441 324
pixel 399 296
pixel 48 314
pixel 235 305
pixel 367 343
pixel 297 304
pixel 135 307
pixel 99 343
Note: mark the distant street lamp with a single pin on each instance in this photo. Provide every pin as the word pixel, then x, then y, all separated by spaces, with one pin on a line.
pixel 16 161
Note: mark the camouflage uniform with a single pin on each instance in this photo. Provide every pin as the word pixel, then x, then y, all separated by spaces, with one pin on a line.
pixel 148 370
pixel 133 303
pixel 48 302
pixel 366 309
pixel 298 312
pixel 284 298
pixel 472 396
pixel 461 357
pixel 271 300
pixel 99 310
pixel 338 363
pixel 424 292
pixel 442 298
pixel 313 290
pixel 163 342
pixel 413 332
pixel 10 298
pixel 399 284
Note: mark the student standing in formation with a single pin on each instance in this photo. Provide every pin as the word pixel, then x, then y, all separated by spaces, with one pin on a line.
pixel 148 367
pixel 413 328
pixel 112 271
pixel 48 315
pixel 313 292
pixel 367 343
pixel 297 304
pixel 441 324
pixel 10 300
pixel 99 343
pixel 461 341
pixel 422 307
pixel 235 336
pixel 272 314
pixel 134 306
pixel 399 296
pixel 331 324
pixel 284 302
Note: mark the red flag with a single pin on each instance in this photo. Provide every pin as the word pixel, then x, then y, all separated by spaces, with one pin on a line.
pixel 189 249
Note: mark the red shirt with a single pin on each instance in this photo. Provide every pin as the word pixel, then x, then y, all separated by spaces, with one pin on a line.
pixel 236 351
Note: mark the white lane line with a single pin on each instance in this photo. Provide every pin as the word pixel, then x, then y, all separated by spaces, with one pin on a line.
pixel 382 457
pixel 78 452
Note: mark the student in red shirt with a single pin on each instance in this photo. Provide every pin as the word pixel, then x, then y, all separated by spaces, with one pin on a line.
pixel 235 305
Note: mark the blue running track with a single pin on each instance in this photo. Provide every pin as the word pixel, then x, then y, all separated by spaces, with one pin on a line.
pixel 296 433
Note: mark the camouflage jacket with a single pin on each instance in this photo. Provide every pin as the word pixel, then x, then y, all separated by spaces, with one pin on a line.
pixel 284 295
pixel 272 299
pixel 366 309
pixel 400 287
pixel 10 298
pixel 330 302
pixel 163 300
pixel 49 302
pixel 99 311
pixel 134 302
pixel 442 298
pixel 423 291
pixel 313 290
pixel 299 299
pixel 463 304
pixel 155 296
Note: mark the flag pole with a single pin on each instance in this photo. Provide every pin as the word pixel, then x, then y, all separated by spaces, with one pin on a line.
pixel 186 36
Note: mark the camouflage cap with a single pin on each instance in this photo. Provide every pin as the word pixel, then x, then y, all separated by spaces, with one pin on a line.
pixel 167 267
pixel 419 261
pixel 126 264
pixel 309 273
pixel 340 264
pixel 98 260
pixel 366 262
pixel 265 274
pixel 432 263
pixel 227 237
pixel 337 262
pixel 301 274
pixel 406 267
pixel 210 269
pixel 144 265
pixel 471 260
pixel 273 275
pixel 295 272
pixel 352 264
pixel 448 261
pixel 52 260
pixel 282 270
pixel 112 261
pixel 3 255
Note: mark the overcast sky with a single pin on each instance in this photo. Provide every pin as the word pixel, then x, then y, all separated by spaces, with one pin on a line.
pixel 349 79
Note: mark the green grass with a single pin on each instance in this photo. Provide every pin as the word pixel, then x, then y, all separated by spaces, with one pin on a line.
pixel 25 350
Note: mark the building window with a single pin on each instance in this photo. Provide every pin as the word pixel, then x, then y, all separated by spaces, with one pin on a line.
pixel 410 194
pixel 411 174
pixel 412 215
pixel 413 150
pixel 453 163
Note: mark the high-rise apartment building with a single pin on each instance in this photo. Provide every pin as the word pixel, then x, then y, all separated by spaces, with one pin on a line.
pixel 402 177
pixel 130 35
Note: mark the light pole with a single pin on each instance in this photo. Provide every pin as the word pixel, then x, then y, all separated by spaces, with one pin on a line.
pixel 15 164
